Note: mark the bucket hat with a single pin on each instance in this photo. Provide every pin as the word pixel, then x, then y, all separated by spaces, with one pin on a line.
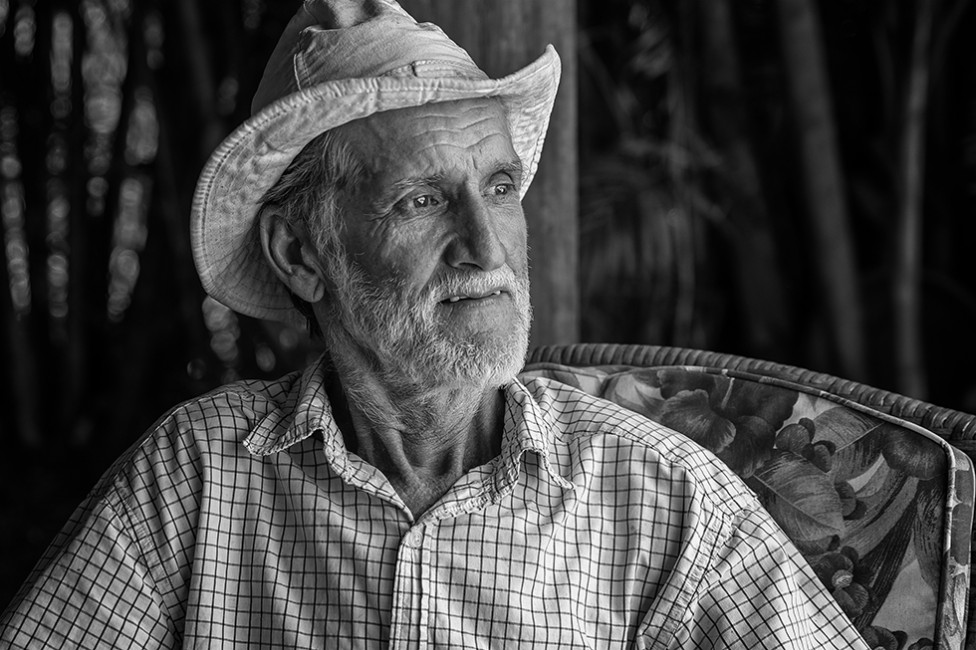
pixel 338 61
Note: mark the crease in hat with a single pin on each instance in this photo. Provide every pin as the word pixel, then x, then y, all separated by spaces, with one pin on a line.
pixel 332 40
pixel 373 49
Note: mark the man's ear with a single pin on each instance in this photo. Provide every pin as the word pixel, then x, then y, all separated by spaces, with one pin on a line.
pixel 290 256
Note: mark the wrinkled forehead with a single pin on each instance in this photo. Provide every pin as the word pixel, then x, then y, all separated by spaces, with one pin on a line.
pixel 461 110
pixel 474 127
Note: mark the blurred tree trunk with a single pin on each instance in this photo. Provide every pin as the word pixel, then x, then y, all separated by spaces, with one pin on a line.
pixel 833 249
pixel 26 81
pixel 909 362
pixel 20 371
pixel 203 87
pixel 20 368
pixel 168 291
pixel 77 352
pixel 760 294
pixel 173 187
pixel 108 377
pixel 503 36
pixel 678 260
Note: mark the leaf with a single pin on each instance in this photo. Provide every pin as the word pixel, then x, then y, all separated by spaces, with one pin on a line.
pixel 856 437
pixel 815 547
pixel 962 516
pixel 591 384
pixel 689 413
pixel 676 380
pixel 751 447
pixel 841 424
pixel 773 404
pixel 927 529
pixel 566 377
pixel 956 602
pixel 589 381
pixel 913 453
pixel 891 495
pixel 793 437
pixel 884 560
pixel 630 392
pixel 800 497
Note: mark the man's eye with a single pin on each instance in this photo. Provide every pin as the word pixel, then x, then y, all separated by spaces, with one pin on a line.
pixel 504 188
pixel 425 201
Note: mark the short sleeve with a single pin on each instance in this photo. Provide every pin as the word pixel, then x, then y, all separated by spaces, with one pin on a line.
pixel 91 590
pixel 760 593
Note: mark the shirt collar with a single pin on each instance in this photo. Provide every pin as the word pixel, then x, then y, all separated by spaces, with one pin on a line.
pixel 528 426
pixel 304 411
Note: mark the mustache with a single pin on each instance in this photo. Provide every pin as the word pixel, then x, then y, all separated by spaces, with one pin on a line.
pixel 474 283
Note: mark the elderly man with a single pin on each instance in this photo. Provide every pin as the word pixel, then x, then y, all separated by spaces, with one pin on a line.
pixel 405 490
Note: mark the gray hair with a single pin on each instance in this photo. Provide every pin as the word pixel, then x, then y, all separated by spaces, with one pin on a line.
pixel 307 196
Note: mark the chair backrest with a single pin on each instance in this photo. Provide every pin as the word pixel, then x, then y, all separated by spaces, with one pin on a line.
pixel 865 482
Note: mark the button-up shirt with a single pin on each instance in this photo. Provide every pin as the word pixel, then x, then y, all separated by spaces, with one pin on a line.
pixel 242 520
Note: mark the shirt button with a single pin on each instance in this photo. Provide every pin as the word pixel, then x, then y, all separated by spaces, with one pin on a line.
pixel 412 539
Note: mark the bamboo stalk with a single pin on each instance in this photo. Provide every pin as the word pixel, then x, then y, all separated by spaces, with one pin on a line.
pixel 907 284
pixel 759 277
pixel 683 127
pixel 200 70
pixel 32 89
pixel 77 353
pixel 822 176
pixel 19 376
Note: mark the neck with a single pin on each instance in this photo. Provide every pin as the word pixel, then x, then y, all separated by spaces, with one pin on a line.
pixel 423 438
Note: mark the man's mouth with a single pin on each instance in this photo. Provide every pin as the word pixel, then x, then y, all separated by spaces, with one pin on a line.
pixel 458 298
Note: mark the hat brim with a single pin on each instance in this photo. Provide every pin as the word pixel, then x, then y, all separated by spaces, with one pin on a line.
pixel 250 161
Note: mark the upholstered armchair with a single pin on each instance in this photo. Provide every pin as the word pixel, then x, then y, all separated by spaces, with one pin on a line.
pixel 875 489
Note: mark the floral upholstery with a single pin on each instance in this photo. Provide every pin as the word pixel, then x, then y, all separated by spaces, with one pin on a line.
pixel 881 508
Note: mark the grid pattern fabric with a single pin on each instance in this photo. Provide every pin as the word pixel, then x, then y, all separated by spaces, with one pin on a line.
pixel 241 520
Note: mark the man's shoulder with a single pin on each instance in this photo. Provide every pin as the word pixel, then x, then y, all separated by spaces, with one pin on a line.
pixel 587 424
pixel 207 430
pixel 228 413
pixel 577 413
pixel 248 398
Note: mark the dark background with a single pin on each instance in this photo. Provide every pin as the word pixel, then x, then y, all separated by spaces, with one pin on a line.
pixel 791 180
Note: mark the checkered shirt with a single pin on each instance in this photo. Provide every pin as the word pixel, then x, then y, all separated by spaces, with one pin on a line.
pixel 240 520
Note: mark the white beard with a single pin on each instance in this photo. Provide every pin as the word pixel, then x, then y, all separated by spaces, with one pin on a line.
pixel 400 335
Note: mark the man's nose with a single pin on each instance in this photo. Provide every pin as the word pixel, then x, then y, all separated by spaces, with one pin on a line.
pixel 476 243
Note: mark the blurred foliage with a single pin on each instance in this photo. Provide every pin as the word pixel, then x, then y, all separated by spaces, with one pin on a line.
pixel 695 221
pixel 108 110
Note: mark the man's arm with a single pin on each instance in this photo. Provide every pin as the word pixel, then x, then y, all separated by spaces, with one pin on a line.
pixel 761 593
pixel 92 589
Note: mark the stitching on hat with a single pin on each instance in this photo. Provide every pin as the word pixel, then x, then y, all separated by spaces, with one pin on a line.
pixel 401 71
pixel 299 69
pixel 426 68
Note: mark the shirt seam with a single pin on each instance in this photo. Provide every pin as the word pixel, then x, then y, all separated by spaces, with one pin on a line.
pixel 730 523
pixel 114 502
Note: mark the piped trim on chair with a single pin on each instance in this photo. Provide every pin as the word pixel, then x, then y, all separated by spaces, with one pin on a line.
pixel 948 423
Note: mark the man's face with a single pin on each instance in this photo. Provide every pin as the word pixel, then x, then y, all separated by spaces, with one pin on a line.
pixel 432 273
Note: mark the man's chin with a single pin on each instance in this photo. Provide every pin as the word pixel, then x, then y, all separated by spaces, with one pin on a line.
pixel 482 360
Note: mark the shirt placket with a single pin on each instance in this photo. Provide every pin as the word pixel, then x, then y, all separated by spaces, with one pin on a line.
pixel 410 599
